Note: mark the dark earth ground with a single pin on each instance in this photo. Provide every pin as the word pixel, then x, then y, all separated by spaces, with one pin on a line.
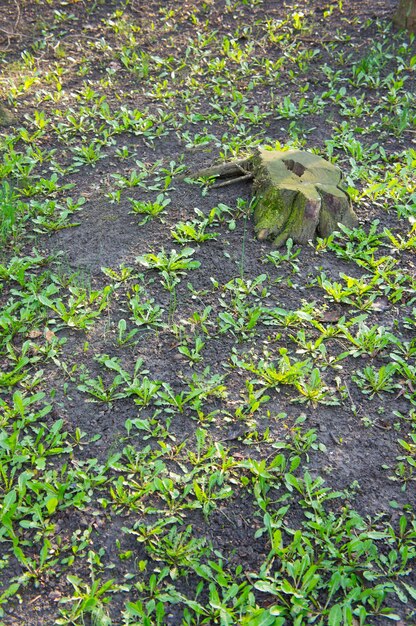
pixel 108 236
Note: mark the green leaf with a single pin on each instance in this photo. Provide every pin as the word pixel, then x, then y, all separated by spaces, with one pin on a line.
pixel 51 504
pixel 74 580
pixel 292 481
pixel 262 617
pixel 374 534
pixel 265 586
pixel 335 615
pixel 9 500
pixel 410 590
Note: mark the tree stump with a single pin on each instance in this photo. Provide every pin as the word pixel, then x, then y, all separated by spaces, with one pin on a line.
pixel 299 194
pixel 405 16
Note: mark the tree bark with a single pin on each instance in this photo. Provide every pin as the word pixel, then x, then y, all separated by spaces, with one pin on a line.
pixel 405 16
pixel 234 169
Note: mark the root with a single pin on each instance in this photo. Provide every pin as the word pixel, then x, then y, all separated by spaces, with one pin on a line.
pixel 238 168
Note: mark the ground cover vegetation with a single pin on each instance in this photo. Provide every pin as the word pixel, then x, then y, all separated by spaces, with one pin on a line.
pixel 197 428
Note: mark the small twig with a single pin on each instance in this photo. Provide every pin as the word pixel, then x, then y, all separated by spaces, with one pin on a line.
pixel 18 12
pixel 238 179
pixel 34 599
pixel 334 439
pixel 226 170
pixel 135 9
pixel 8 33
pixel 11 35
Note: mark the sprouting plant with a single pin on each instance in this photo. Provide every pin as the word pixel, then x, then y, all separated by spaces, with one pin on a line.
pixel 87 599
pixel 150 209
pixel 200 320
pixel 88 154
pixel 372 381
pixel 356 244
pixel 145 312
pixel 209 490
pixel 169 281
pixel 144 390
pixel 254 398
pixel 241 321
pixel 122 275
pixel 100 391
pixel 173 402
pixel 271 373
pixel 174 263
pixel 399 242
pixel 136 62
pixel 193 353
pixel 205 182
pixel 289 257
pixel 82 306
pixel 360 291
pixel 313 389
pixel 136 178
pixel 179 549
pixel 125 338
pixel 405 467
pixel 247 286
pixel 367 340
pixel 307 345
pixel 193 230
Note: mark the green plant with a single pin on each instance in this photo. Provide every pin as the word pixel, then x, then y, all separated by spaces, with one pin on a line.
pixel 314 390
pixel 89 154
pixel 97 388
pixel 194 230
pixel 125 338
pixel 372 381
pixel 87 599
pixel 193 353
pixel 367 340
pixel 82 307
pixel 164 443
pixel 150 209
pixel 9 207
pixel 175 263
pixel 145 313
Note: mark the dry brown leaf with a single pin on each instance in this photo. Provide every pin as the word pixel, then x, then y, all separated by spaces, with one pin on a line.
pixel 34 334
pixel 49 335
